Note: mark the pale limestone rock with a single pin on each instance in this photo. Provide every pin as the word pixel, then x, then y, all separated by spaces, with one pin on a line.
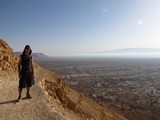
pixel 8 60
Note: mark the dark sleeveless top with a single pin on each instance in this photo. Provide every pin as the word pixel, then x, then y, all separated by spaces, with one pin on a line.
pixel 26 64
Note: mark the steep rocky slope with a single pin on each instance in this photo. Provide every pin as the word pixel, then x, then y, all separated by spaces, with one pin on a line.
pixel 7 58
pixel 52 98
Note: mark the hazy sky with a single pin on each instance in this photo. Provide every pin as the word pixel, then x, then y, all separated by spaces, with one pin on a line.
pixel 66 27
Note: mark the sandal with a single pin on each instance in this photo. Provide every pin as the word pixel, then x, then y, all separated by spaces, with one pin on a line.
pixel 28 96
pixel 19 97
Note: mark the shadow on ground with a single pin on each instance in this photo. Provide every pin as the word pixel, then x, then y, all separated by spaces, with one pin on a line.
pixel 9 101
pixel 13 101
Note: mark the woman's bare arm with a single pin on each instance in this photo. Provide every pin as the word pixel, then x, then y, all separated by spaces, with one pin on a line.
pixel 19 66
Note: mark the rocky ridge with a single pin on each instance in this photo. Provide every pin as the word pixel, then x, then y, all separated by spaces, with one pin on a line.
pixel 50 90
pixel 8 60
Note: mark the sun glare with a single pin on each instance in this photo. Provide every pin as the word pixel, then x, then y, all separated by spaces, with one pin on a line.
pixel 140 22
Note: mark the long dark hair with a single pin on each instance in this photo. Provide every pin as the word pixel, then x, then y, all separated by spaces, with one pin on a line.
pixel 27 46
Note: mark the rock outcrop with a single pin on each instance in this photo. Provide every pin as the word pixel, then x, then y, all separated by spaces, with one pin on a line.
pixel 8 60
pixel 71 100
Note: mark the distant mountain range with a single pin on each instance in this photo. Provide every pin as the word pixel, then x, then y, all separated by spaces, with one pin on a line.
pixel 133 50
pixel 141 52
pixel 36 56
pixel 130 52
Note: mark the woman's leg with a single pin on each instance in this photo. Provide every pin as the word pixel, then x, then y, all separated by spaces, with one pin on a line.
pixel 28 89
pixel 20 91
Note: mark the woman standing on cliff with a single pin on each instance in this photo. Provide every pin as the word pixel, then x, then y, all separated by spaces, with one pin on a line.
pixel 26 72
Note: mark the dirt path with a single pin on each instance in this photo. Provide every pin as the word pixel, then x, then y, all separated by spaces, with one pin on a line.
pixel 36 108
